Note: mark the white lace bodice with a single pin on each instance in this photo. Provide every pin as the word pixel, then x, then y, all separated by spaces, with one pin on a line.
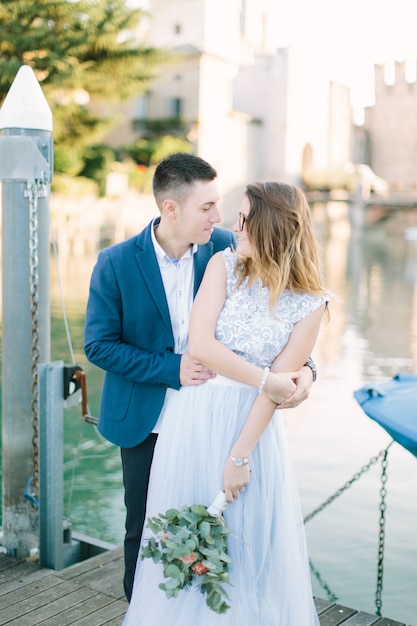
pixel 245 323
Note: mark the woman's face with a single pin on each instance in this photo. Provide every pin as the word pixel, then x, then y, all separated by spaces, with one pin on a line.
pixel 243 246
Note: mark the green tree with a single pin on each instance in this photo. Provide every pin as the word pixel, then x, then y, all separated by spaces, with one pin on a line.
pixel 85 54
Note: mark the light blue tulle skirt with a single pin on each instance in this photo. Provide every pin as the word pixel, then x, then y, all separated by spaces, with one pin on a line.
pixel 269 570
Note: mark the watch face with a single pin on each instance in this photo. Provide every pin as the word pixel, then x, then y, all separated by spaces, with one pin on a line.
pixel 238 461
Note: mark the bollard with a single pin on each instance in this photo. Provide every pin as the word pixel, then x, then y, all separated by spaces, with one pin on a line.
pixel 26 166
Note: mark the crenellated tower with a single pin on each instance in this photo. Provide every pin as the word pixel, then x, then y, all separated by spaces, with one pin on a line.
pixel 391 124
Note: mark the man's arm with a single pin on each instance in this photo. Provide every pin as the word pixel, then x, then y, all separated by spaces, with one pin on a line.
pixel 106 344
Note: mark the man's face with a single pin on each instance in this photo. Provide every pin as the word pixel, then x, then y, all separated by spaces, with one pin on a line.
pixel 199 212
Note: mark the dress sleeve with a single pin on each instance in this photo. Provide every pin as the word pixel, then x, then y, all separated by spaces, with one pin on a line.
pixel 230 258
pixel 304 304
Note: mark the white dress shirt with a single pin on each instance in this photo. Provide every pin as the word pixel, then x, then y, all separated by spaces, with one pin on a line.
pixel 178 279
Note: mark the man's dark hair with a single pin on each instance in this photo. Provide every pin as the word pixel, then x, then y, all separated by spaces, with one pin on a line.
pixel 178 171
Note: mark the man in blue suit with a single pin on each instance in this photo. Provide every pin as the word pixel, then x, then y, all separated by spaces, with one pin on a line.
pixel 141 293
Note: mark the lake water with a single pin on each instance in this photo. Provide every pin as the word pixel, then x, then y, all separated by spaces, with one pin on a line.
pixel 371 335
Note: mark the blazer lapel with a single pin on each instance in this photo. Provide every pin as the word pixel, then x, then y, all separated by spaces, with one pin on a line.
pixel 148 267
pixel 201 258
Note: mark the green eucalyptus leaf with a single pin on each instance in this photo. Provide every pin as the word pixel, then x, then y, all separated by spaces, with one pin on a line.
pixel 172 583
pixel 171 514
pixel 204 529
pixel 172 571
pixel 180 551
pixel 199 509
pixel 156 557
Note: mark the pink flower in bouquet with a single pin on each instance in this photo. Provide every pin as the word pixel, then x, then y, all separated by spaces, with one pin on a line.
pixel 199 569
pixel 189 558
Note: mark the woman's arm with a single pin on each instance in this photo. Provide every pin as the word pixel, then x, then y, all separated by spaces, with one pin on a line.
pixel 302 339
pixel 204 346
pixel 300 343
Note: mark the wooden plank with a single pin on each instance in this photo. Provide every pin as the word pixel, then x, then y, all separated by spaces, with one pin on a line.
pixel 55 607
pixel 335 615
pixel 104 578
pixel 362 619
pixel 114 611
pixel 22 605
pixel 19 577
pixel 84 608
pixel 322 605
pixel 115 622
pixel 6 562
pixel 28 591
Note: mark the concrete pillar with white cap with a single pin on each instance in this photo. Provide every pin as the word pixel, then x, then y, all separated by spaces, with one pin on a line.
pixel 26 166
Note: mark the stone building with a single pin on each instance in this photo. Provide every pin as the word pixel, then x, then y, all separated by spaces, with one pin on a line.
pixel 252 110
pixel 391 128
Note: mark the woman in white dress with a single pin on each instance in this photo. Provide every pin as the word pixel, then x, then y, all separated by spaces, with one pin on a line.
pixel 254 321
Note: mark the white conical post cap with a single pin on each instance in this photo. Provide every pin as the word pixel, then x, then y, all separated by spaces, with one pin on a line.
pixel 25 106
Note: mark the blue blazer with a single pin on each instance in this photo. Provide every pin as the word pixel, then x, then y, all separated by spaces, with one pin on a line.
pixel 128 334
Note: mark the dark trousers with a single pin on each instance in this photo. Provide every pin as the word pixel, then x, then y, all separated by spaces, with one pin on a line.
pixel 136 463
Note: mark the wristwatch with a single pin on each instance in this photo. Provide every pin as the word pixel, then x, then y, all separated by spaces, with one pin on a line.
pixel 238 460
pixel 310 363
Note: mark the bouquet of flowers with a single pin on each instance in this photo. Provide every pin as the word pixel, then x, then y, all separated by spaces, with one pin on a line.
pixel 191 543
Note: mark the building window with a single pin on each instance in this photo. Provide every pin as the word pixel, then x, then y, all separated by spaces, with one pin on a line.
pixel 142 105
pixel 175 107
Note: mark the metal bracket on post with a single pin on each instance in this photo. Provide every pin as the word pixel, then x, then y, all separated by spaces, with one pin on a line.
pixel 51 456
pixel 59 547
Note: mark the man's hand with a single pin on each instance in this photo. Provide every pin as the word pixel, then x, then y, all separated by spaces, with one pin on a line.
pixel 302 390
pixel 193 372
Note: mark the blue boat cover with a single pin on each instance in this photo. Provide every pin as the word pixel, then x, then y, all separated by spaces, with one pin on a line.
pixel 393 404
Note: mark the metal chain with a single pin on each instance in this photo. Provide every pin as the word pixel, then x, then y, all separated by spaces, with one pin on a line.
pixel 33 192
pixel 348 484
pixel 329 593
pixel 381 545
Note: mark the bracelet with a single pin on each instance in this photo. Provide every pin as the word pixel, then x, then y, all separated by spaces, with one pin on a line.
pixel 263 381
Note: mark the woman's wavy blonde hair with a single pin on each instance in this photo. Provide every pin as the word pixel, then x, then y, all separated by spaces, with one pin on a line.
pixel 284 247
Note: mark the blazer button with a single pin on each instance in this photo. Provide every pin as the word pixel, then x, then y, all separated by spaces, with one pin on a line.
pixel 170 349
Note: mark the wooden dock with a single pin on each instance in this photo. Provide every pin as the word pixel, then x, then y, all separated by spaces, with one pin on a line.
pixel 90 593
